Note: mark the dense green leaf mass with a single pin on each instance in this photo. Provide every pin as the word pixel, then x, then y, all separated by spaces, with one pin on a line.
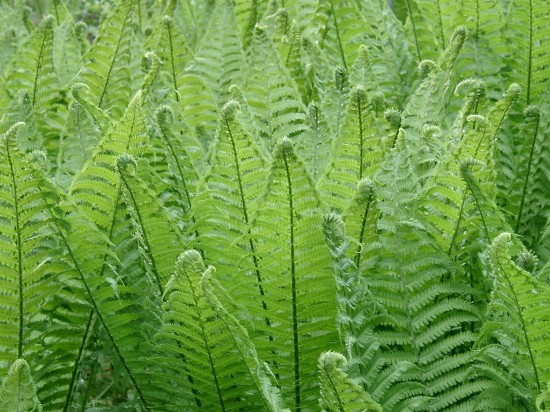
pixel 284 205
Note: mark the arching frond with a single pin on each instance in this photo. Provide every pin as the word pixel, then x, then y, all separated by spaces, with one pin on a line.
pixel 298 287
pixel 514 342
pixel 106 69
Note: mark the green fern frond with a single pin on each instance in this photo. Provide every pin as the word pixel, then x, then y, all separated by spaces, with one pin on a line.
pixel 247 14
pixel 220 59
pixel 70 43
pixel 155 232
pixel 38 306
pixel 198 346
pixel 229 199
pixel 106 65
pixel 199 108
pixel 298 285
pixel 338 392
pixel 18 392
pixel 96 186
pixel 418 26
pixel 343 29
pixel 33 70
pixel 175 161
pixel 174 53
pixel 258 371
pixel 273 97
pixel 514 341
pixel 357 151
pixel 527 34
pixel 81 94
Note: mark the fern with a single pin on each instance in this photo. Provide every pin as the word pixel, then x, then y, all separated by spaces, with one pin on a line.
pixel 193 335
pixel 298 288
pixel 514 341
pixel 273 97
pixel 18 391
pixel 525 30
pixel 232 189
pixel 338 392
pixel 357 151
pixel 219 61
pixel 106 70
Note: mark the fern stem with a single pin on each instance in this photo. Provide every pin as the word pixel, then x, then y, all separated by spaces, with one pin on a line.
pixel 361 148
pixel 246 220
pixel 206 344
pixel 38 64
pixel 172 66
pixel 478 205
pixel 530 55
pixel 144 233
pixel 338 36
pixel 115 55
pixel 19 251
pixel 414 31
pixel 76 367
pixel 527 174
pixel 297 395
pixel 362 232
pixel 335 391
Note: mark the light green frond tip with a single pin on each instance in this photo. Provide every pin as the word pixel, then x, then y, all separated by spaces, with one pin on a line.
pixel 339 393
pixel 230 110
pixel 18 393
pixel 455 44
pixel 12 132
pixel 425 67
pixel 190 260
pixel 164 115
pixel 365 190
pixel 124 161
pixel 468 86
pixel 284 148
pixel 393 117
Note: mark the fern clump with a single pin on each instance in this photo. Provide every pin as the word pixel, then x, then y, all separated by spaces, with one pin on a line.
pixel 297 205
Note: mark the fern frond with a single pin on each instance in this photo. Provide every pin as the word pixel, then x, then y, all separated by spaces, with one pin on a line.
pixel 33 70
pixel 420 32
pixel 514 341
pixel 224 210
pixel 298 286
pixel 42 296
pixel 106 65
pixel 174 162
pixel 357 151
pixel 338 391
pixel 258 371
pixel 96 186
pixel 155 232
pixel 220 59
pixel 273 97
pixel 527 34
pixel 18 392
pixel 70 44
pixel 200 351
pixel 174 53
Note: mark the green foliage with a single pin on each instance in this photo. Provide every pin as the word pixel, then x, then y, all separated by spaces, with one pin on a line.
pixel 284 205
